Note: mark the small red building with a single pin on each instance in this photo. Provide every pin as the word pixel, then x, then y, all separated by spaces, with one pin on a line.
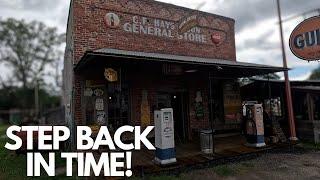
pixel 126 58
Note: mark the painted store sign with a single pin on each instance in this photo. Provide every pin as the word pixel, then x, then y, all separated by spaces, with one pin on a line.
pixel 305 39
pixel 187 29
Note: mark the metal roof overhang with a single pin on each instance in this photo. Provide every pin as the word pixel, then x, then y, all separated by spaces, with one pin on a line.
pixel 307 88
pixel 224 67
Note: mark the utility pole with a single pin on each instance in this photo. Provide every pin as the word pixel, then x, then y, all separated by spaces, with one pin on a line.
pixel 293 136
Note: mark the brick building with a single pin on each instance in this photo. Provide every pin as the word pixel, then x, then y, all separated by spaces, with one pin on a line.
pixel 124 59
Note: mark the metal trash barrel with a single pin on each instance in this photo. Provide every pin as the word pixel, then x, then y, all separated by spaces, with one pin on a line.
pixel 206 141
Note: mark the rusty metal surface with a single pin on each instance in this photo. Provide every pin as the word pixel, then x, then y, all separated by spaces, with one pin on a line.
pixel 92 57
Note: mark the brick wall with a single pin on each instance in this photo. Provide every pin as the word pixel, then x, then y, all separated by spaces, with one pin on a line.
pixel 91 32
pixel 87 31
pixel 67 89
pixel 77 100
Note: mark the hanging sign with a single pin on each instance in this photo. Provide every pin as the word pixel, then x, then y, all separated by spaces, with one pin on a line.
pixel 305 39
pixel 111 75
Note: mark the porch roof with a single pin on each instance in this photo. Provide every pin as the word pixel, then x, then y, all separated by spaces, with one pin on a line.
pixel 307 88
pixel 237 69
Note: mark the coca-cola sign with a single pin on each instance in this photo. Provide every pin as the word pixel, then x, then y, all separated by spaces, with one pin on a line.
pixel 305 39
pixel 112 20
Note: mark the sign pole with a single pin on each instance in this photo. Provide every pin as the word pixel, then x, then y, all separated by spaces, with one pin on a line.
pixel 293 136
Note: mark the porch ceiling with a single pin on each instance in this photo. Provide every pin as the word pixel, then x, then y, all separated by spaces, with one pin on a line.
pixel 226 68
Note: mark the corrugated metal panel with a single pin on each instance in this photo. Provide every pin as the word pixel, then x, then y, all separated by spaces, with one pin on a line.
pixel 313 88
pixel 182 59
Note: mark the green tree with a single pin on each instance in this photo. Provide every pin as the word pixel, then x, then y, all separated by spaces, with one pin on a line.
pixel 28 48
pixel 315 75
pixel 247 80
pixel 269 76
pixel 12 97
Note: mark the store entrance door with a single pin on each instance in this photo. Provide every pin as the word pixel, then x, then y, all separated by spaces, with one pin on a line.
pixel 180 109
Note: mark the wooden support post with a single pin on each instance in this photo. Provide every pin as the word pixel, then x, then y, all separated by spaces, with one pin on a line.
pixel 211 110
pixel 310 107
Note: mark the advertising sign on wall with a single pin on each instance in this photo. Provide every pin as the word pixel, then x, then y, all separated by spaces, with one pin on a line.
pixel 231 101
pixel 187 29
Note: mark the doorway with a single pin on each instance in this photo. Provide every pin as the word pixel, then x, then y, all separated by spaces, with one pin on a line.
pixel 178 101
pixel 179 104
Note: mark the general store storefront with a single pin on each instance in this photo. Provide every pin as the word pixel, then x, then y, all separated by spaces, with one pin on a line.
pixel 144 82
pixel 126 59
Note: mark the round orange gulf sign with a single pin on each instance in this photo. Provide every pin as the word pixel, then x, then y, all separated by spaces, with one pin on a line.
pixel 305 39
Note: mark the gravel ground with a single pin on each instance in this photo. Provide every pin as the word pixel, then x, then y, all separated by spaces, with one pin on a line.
pixel 270 166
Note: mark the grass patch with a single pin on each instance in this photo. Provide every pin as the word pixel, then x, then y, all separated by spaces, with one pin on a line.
pixel 224 170
pixel 164 178
pixel 13 166
pixel 247 164
pixel 3 129
pixel 157 178
pixel 310 145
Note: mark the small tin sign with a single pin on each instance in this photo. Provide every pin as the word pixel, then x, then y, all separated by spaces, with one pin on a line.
pixel 112 20
pixel 99 104
pixel 88 92
pixel 111 75
pixel 98 92
pixel 101 117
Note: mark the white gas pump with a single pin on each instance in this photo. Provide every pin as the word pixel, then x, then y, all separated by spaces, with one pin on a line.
pixel 164 136
pixel 253 115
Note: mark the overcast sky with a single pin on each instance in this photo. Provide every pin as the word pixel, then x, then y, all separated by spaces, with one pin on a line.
pixel 257 31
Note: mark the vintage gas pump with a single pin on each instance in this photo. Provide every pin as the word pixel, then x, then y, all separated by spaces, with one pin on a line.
pixel 253 119
pixel 164 136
